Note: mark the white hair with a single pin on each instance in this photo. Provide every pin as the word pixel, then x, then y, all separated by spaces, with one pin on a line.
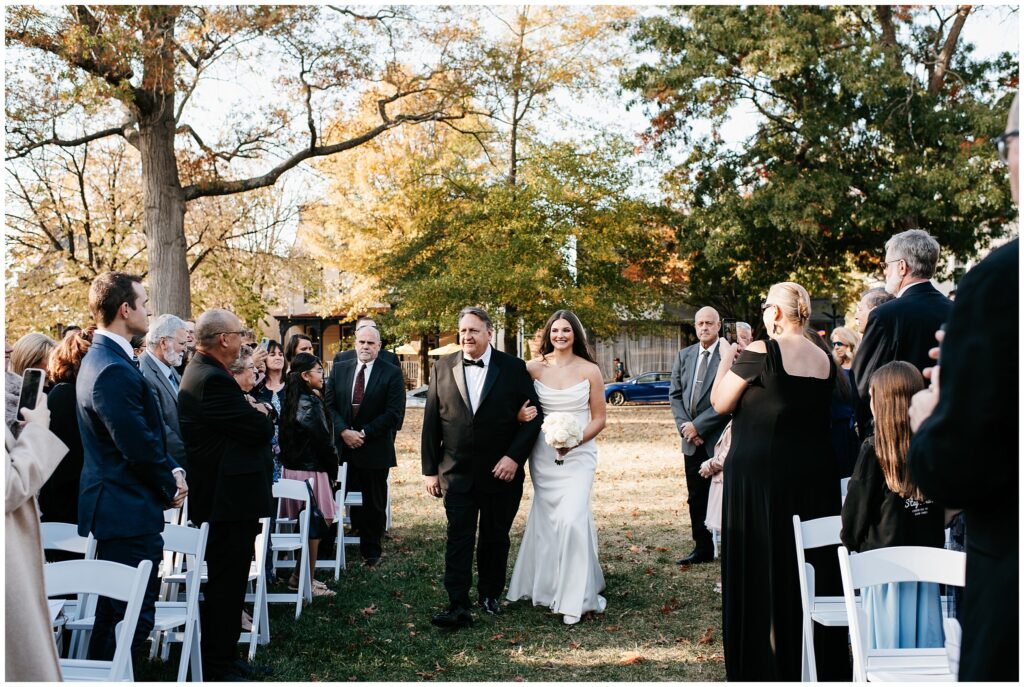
pixel 164 326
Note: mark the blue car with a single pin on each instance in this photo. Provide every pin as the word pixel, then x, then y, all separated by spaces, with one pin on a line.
pixel 650 387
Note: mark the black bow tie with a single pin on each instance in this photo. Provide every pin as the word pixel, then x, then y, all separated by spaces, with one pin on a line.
pixel 468 363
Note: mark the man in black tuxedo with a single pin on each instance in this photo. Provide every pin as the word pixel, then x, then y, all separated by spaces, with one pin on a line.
pixel 473 451
pixel 904 328
pixel 227 438
pixel 366 399
pixel 698 423
pixel 965 453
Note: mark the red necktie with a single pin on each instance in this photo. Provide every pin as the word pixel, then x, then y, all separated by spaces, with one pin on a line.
pixel 357 392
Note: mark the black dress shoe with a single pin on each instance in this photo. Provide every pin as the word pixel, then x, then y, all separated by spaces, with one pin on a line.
pixel 246 669
pixel 371 562
pixel 454 618
pixel 490 605
pixel 696 557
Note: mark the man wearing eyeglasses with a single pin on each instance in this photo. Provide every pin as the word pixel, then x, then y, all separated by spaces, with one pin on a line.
pixel 226 436
pixel 904 328
pixel 965 450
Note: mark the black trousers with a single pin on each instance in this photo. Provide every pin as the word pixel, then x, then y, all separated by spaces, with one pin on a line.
pixel 109 612
pixel 495 513
pixel 229 550
pixel 371 517
pixel 697 489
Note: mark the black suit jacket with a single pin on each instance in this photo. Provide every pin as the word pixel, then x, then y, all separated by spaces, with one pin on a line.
pixel 58 499
pixel 902 329
pixel 463 447
pixel 379 416
pixel 228 446
pixel 966 456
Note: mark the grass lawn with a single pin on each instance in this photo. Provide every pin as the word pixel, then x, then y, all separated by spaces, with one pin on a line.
pixel 662 622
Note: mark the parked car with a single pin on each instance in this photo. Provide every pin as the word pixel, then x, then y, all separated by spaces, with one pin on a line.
pixel 417 398
pixel 649 387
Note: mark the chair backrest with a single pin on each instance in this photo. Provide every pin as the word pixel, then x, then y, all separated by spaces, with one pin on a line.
pixel 291 489
pixel 64 536
pixel 104 578
pixel 891 564
pixel 190 541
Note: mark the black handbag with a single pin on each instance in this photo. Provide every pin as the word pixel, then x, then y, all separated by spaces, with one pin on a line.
pixel 318 527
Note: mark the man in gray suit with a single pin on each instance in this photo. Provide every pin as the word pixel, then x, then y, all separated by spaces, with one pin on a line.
pixel 700 426
pixel 165 348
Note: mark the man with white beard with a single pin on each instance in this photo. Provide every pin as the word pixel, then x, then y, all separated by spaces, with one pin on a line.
pixel 165 348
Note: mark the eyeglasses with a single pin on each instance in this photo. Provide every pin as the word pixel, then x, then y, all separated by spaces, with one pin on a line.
pixel 765 305
pixel 886 263
pixel 837 344
pixel 1002 143
pixel 239 332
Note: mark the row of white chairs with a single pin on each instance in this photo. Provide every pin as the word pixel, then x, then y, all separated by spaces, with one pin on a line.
pixel 867 569
pixel 177 611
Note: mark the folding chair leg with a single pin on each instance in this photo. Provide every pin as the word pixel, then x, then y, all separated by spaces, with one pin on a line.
pixel 191 654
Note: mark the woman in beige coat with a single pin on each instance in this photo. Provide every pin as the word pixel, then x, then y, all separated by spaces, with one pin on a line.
pixel 31 458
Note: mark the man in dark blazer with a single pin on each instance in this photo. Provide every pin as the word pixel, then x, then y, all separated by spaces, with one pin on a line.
pixel 965 452
pixel 366 399
pixel 903 328
pixel 473 451
pixel 165 348
pixel 699 425
pixel 227 437
pixel 128 477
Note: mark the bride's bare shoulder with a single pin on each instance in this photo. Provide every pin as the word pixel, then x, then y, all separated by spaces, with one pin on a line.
pixel 534 366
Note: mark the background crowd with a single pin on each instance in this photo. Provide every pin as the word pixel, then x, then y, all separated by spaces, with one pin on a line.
pixel 141 414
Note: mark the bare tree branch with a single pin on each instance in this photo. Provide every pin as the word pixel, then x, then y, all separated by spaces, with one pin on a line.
pixel 945 56
pixel 66 143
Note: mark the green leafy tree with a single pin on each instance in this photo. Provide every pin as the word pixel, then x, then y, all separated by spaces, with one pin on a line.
pixel 872 120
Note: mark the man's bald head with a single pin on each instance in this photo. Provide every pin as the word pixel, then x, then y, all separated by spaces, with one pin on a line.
pixel 707 324
pixel 218 334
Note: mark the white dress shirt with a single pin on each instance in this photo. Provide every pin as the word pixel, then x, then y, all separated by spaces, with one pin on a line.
pixel 366 376
pixel 696 368
pixel 475 377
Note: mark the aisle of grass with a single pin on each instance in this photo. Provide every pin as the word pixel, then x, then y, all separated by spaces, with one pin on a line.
pixel 662 623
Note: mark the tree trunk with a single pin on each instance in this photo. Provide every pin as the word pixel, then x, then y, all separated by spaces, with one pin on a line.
pixel 424 362
pixel 511 330
pixel 169 288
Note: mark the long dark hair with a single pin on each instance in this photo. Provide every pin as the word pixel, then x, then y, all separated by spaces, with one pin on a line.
pixel 580 346
pixel 272 346
pixel 293 343
pixel 295 385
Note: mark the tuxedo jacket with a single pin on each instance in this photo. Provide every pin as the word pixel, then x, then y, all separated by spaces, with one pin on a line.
pixel 386 356
pixel 462 447
pixel 379 415
pixel 228 446
pixel 709 424
pixel 965 455
pixel 126 478
pixel 159 382
pixel 901 329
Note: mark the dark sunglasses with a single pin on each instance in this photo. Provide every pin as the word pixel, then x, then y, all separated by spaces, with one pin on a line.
pixel 765 305
pixel 837 344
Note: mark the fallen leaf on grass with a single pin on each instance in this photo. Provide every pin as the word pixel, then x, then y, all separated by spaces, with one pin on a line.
pixel 410 625
pixel 498 636
pixel 574 645
pixel 708 634
pixel 631 657
pixel 370 610
pixel 612 628
pixel 515 640
pixel 648 571
pixel 519 678
pixel 662 549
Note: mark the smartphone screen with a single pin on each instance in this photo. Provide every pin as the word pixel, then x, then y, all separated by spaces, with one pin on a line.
pixel 729 330
pixel 264 343
pixel 31 388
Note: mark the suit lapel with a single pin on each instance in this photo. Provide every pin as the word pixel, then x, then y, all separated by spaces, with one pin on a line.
pixel 460 379
pixel 118 351
pixel 371 383
pixel 344 392
pixel 147 360
pixel 709 376
pixel 493 370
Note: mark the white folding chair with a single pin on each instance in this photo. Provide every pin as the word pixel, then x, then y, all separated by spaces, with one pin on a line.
pixel 897 564
pixel 296 543
pixel 844 486
pixel 171 614
pixel 63 536
pixel 112 580
pixel 342 515
pixel 828 611
pixel 260 633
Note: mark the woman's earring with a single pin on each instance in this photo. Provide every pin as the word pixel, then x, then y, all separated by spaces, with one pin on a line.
pixel 776 328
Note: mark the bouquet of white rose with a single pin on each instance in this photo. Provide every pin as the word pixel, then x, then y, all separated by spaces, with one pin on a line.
pixel 561 430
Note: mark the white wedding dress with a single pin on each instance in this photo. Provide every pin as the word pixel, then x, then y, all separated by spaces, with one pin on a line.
pixel 557 564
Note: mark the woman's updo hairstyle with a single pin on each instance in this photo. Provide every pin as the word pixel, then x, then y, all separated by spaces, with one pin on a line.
pixel 793 301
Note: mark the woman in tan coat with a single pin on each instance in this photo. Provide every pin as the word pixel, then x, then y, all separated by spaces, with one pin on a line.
pixel 31 458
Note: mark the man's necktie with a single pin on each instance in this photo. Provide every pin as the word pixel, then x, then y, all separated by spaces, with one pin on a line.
pixel 698 384
pixel 471 363
pixel 174 381
pixel 359 390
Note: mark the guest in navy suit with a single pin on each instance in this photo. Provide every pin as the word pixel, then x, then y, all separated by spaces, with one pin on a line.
pixel 128 476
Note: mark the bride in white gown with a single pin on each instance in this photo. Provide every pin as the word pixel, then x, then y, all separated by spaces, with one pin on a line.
pixel 557 564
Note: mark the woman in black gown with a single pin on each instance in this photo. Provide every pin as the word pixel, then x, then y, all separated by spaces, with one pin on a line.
pixel 780 465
